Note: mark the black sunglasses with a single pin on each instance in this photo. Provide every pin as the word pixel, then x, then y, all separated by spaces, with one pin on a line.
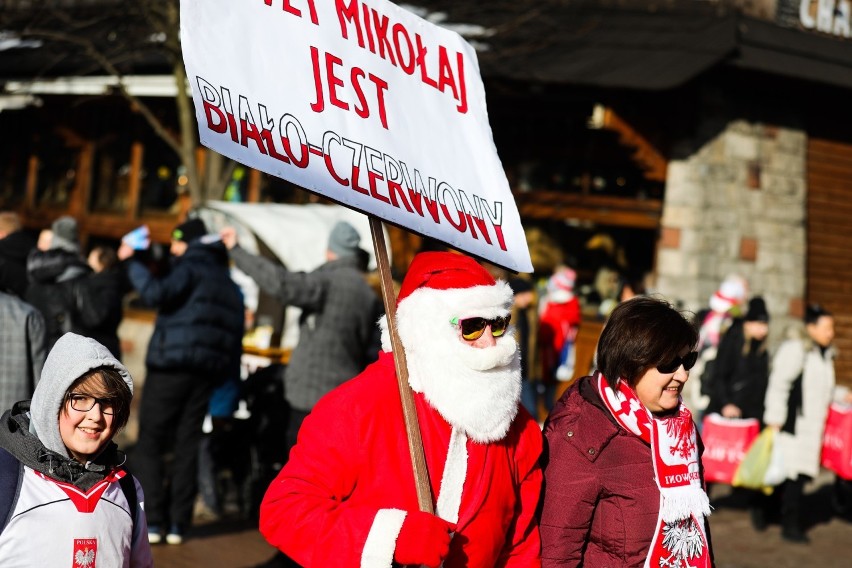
pixel 473 328
pixel 688 361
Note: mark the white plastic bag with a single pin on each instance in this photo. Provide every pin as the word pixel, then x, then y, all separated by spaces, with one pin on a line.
pixel 775 474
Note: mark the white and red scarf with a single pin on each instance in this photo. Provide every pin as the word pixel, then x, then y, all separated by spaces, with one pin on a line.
pixel 680 540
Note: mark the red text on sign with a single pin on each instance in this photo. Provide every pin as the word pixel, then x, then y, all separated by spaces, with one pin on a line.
pixel 327 66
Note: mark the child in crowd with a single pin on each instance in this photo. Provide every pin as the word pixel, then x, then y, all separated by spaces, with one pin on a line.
pixel 65 498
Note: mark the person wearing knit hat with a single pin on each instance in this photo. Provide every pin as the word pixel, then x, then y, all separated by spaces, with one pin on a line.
pixel 189 230
pixel 65 234
pixel 351 462
pixel 757 310
pixel 338 335
pixel 740 376
pixel 344 241
pixel 59 283
pixel 196 345
pixel 187 233
pixel 725 304
pixel 741 368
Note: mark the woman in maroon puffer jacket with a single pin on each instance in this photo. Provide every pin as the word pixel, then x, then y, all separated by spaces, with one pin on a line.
pixel 623 479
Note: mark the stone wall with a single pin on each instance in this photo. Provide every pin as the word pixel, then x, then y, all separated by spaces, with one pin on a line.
pixel 737 204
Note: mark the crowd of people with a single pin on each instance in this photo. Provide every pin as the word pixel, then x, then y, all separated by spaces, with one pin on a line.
pixel 608 473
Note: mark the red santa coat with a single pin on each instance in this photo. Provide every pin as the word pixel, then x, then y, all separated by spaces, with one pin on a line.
pixel 337 501
pixel 558 323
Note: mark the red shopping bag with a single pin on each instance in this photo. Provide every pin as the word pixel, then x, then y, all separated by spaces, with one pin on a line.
pixel 726 440
pixel 837 440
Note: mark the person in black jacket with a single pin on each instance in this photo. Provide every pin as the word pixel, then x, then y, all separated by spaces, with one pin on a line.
pixel 106 287
pixel 196 345
pixel 740 377
pixel 59 278
pixel 741 372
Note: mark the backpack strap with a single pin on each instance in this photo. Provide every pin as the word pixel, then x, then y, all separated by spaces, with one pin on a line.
pixel 11 475
pixel 128 487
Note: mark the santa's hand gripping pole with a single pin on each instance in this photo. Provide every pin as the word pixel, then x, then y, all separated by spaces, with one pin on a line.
pixel 409 412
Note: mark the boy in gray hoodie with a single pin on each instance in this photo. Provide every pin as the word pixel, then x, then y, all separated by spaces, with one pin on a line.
pixel 72 503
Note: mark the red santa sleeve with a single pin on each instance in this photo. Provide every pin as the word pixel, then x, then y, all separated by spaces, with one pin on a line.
pixel 305 512
pixel 523 541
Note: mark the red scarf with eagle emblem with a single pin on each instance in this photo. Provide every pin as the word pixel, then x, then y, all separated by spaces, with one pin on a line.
pixel 680 540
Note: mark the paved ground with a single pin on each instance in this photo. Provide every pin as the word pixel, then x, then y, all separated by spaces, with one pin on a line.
pixel 237 544
pixel 737 545
pixel 227 544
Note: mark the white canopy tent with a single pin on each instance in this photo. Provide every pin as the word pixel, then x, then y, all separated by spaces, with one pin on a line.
pixel 296 234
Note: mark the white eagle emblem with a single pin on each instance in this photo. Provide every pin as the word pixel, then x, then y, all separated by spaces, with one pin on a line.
pixel 683 539
pixel 85 557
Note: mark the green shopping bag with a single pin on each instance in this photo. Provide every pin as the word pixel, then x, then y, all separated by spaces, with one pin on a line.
pixel 751 472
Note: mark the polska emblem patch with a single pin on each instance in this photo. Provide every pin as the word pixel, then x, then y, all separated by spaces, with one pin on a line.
pixel 85 552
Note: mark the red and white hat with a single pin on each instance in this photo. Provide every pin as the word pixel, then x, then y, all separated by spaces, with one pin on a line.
pixel 731 293
pixel 453 281
pixel 441 286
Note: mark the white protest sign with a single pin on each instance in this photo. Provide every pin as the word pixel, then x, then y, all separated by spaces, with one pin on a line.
pixel 366 104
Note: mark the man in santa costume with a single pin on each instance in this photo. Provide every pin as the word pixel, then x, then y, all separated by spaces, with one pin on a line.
pixel 346 497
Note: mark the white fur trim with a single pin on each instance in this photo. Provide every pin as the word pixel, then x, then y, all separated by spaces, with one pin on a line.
pixel 383 326
pixel 559 296
pixel 381 540
pixel 481 301
pixel 452 483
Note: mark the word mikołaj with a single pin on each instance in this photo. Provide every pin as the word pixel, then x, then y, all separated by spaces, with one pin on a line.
pixel 392 42
pixel 388 179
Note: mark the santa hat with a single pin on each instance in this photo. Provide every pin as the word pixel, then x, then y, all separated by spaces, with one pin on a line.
pixel 731 294
pixel 441 286
pixel 443 271
pixel 454 281
pixel 560 286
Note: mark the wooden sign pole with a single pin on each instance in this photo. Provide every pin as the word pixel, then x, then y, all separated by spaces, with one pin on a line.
pixel 409 412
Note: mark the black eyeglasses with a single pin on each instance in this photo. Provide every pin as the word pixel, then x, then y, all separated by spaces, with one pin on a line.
pixel 86 402
pixel 473 328
pixel 688 361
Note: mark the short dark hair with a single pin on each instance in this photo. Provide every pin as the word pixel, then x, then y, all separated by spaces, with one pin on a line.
pixel 641 333
pixel 106 256
pixel 815 311
pixel 113 387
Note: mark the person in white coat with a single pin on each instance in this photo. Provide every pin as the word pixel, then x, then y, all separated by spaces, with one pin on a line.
pixel 800 391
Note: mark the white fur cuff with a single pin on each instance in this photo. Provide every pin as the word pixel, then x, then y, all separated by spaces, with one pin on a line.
pixel 381 540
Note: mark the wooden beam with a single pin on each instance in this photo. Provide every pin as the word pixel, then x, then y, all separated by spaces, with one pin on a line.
pixel 79 203
pixel 649 159
pixel 134 190
pixel 253 189
pixel 603 210
pixel 32 183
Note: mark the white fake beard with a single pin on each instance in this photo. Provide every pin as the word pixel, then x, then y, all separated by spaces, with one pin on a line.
pixel 475 390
